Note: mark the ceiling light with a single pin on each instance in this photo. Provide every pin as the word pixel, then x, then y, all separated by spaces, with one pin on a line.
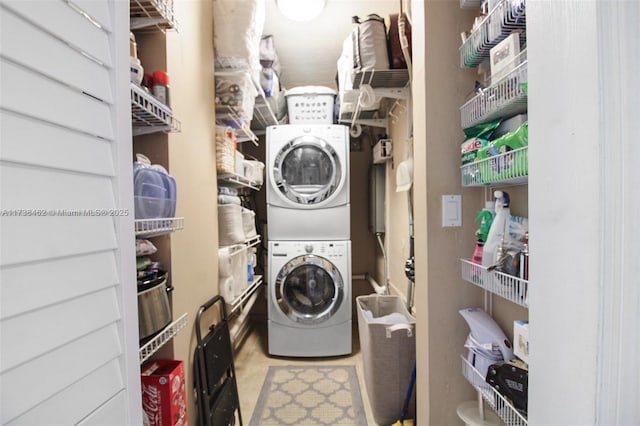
pixel 301 10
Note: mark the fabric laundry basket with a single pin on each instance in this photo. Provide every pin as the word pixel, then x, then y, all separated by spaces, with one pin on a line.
pixel 387 340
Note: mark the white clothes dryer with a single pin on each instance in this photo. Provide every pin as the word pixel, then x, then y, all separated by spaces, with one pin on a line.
pixel 308 182
pixel 309 306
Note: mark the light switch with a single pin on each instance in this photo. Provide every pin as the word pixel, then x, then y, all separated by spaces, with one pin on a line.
pixel 451 210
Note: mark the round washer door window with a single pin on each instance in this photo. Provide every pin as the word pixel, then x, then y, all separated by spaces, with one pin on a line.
pixel 309 289
pixel 307 170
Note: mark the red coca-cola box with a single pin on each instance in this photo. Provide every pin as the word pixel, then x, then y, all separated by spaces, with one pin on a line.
pixel 164 397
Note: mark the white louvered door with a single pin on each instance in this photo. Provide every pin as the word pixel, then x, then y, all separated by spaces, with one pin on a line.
pixel 68 304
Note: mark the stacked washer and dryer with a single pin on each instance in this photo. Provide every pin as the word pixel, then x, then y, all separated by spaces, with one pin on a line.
pixel 308 228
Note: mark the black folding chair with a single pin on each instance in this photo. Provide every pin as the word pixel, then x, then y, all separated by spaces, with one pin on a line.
pixel 215 376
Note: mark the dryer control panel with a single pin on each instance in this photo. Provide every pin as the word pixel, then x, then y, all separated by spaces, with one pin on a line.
pixel 326 249
pixel 335 134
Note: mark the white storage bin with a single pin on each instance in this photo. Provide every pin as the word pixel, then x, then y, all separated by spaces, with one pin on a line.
pixel 239 271
pixel 249 223
pixel 225 274
pixel 310 105
pixel 239 163
pixel 230 228
pixel 254 171
pixel 232 272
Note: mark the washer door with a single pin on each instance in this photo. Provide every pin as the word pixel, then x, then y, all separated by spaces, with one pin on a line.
pixel 309 289
pixel 307 171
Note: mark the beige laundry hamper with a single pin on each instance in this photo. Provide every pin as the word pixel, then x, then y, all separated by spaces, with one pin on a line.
pixel 388 345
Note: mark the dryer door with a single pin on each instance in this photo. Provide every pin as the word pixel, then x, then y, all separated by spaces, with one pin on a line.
pixel 309 289
pixel 307 171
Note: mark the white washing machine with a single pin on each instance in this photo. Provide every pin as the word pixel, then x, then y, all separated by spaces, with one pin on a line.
pixel 309 307
pixel 308 182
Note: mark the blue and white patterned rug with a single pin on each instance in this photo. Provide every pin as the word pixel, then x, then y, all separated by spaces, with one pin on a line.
pixel 310 395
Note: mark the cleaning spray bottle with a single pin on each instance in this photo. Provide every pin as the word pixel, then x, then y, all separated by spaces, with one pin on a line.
pixel 485 217
pixel 498 228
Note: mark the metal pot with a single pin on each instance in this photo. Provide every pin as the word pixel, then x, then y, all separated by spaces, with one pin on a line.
pixel 154 311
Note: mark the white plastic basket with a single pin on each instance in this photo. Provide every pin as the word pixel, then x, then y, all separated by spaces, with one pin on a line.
pixel 310 105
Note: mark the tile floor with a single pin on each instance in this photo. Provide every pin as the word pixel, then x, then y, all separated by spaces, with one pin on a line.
pixel 252 362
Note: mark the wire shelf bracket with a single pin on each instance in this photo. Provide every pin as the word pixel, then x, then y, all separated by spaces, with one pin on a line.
pixel 162 338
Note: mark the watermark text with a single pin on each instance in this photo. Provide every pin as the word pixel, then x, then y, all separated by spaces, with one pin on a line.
pixel 63 212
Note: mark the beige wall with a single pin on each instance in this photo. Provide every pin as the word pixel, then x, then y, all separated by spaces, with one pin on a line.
pixel 397 203
pixel 363 242
pixel 192 162
pixel 441 87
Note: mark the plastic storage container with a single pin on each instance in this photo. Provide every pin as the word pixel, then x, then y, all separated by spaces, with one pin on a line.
pixel 251 264
pixel 225 274
pixel 239 271
pixel 233 272
pixel 254 171
pixel 154 190
pixel 239 164
pixel 388 345
pixel 249 223
pixel 310 105
pixel 235 96
pixel 230 225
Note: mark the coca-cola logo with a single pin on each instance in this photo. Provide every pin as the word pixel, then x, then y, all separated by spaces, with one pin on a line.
pixel 175 384
pixel 151 403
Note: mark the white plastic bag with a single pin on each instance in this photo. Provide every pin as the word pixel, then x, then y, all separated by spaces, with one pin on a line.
pixel 237 30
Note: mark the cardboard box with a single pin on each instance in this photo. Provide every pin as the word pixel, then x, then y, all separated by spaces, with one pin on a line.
pixel 503 55
pixel 521 340
pixel 164 398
